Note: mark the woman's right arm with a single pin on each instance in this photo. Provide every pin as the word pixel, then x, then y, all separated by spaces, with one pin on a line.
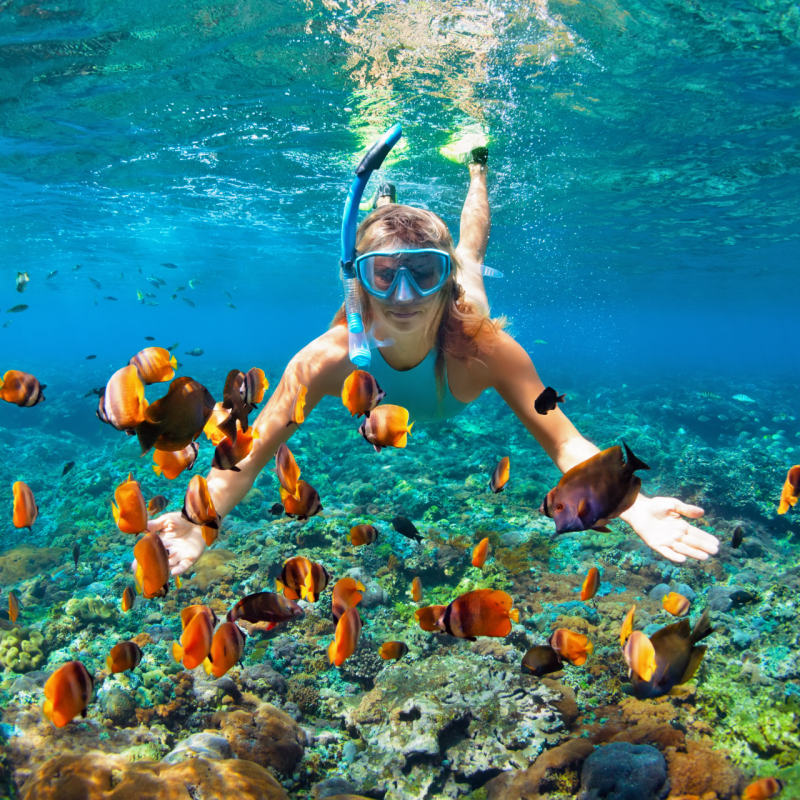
pixel 322 367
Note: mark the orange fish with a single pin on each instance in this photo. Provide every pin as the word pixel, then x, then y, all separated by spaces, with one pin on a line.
pixel 198 507
pixel 627 626
pixel 346 594
pixel 157 504
pixel 130 512
pixel 392 651
pixel 676 604
pixel 287 470
pixel 480 552
pixel 345 641
pixel 128 599
pixel 640 655
pixel 482 612
pixel 122 404
pixel 152 570
pixel 198 631
pixel 21 389
pixel 416 590
pixel 13 606
pixel 25 509
pixel 171 464
pixel 124 656
pixel 302 578
pixel 155 365
pixel 428 617
pixel 571 646
pixel 361 393
pixel 228 454
pixel 67 693
pixel 305 505
pixel 299 407
pixel 791 490
pixel 500 475
pixel 254 386
pixel 591 584
pixel 763 789
pixel 221 423
pixel 227 649
pixel 386 426
pixel 363 534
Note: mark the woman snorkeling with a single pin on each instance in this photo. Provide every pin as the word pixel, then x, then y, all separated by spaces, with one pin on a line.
pixel 425 300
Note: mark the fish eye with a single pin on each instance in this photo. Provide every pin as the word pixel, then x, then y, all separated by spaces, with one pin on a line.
pixel 560 507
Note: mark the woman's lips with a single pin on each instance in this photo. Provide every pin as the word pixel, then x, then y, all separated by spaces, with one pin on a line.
pixel 403 314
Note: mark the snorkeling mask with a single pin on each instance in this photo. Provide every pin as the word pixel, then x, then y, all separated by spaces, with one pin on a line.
pixel 425 270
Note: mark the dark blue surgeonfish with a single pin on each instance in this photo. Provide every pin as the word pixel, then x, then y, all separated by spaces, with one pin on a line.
pixel 594 491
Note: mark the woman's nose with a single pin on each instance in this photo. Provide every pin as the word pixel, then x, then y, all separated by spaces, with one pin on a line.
pixel 403 294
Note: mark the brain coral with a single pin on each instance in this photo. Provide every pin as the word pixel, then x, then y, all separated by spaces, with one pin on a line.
pixel 89 609
pixel 21 650
pixel 26 561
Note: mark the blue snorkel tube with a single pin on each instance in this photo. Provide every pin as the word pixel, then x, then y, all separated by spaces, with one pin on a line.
pixel 359 342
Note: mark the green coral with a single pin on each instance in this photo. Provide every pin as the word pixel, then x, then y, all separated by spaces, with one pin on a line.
pixel 89 609
pixel 21 650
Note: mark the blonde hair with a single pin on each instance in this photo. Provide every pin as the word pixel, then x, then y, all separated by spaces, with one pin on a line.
pixel 458 328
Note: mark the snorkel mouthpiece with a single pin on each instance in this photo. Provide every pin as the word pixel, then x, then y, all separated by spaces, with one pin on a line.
pixel 359 343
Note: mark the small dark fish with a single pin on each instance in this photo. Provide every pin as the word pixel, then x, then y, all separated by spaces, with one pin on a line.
pixel 157 504
pixel 67 467
pixel 269 607
pixel 174 297
pixel 169 265
pixel 154 282
pixel 22 281
pixel 276 509
pixel 741 598
pixel 187 301
pixel 98 391
pixel 90 358
pixel 149 294
pixel 76 553
pixel 6 324
pixel 172 346
pixel 540 661
pixel 150 338
pixel 228 295
pixel 231 305
pixel 151 303
pixel 76 267
pixel 159 281
pixel 547 400
pixel 710 395
pixel 139 269
pixel 95 283
pixel 51 274
pixel 405 527
pixel 17 309
pixel 738 537
pixel 109 297
pixel 181 289
pixel 195 352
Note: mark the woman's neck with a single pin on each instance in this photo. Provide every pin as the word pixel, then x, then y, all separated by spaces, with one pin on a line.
pixel 406 351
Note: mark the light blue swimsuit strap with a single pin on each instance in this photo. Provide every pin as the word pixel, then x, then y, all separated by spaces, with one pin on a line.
pixel 415 389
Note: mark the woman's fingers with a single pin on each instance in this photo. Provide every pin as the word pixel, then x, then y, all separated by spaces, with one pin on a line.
pixel 685 510
pixel 181 567
pixel 669 553
pixel 684 549
pixel 155 525
pixel 701 540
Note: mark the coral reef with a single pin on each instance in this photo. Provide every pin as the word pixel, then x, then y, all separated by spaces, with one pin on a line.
pixel 21 650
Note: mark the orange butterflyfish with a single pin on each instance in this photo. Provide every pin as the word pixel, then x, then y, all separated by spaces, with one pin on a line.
pixel 590 584
pixel 298 413
pixel 67 693
pixel 482 612
pixel 228 454
pixel 157 504
pixel 152 566
pixel 361 393
pixel 640 655
pixel 305 505
pixel 198 507
pixel 195 641
pixel 393 651
pixel 227 649
pixel 128 599
pixel 221 424
pixel 386 426
pixel 345 641
pixel 190 612
pixel 363 534
pixel 627 626
pixel 346 594
pixel 676 604
pixel 302 578
pixel 254 385
pixel 155 365
pixel 500 475
pixel 428 617
pixel 171 464
pixel 122 404
pixel 791 490
pixel 416 590
pixel 480 552
pixel 124 656
pixel 571 646
pixel 13 606
pixel 286 469
pixel 763 789
pixel 21 389
pixel 130 510
pixel 25 509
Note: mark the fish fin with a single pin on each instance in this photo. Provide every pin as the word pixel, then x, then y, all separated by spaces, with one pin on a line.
pixel 408 429
pixel 360 586
pixel 157 470
pixel 109 663
pixel 173 362
pixel 631 462
pixel 178 582
pixel 303 592
pixel 514 614
pixel 269 626
pixel 332 651
pixel 234 469
pixel 48 709
pixel 177 652
pixel 583 509
pixel 695 659
pixel 147 432
pixel 702 628
pixel 602 529
pixel 561 398
pixel 377 449
pixel 116 512
pixel 207 666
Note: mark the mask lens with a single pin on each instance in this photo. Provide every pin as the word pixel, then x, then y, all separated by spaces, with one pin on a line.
pixel 427 270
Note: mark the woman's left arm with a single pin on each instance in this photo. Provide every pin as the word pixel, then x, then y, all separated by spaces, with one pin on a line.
pixel 657 520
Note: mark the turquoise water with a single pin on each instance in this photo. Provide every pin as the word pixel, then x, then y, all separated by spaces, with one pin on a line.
pixel 644 181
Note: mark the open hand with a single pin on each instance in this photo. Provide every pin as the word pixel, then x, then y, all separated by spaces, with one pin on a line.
pixel 183 540
pixel 660 524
